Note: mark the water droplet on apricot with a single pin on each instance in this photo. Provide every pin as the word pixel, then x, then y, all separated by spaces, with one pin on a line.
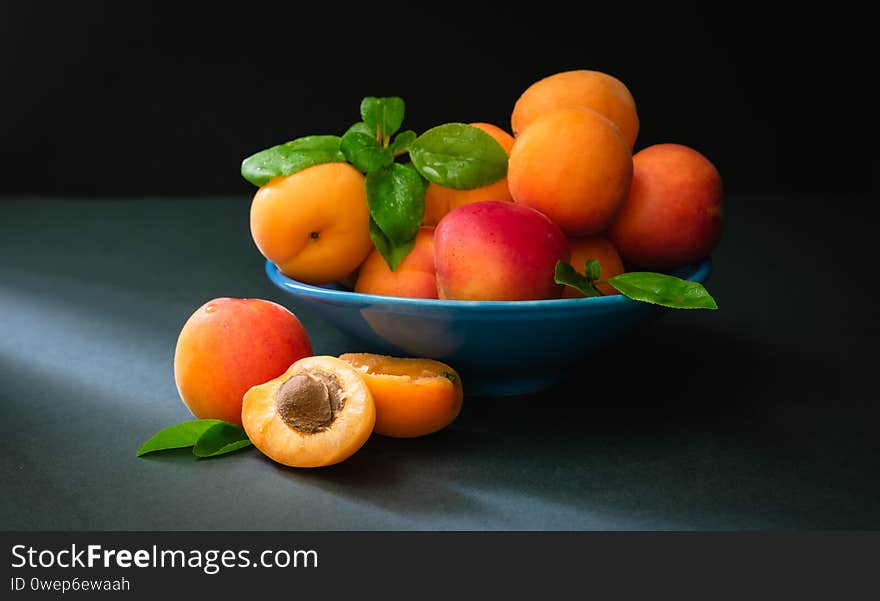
pixel 210 309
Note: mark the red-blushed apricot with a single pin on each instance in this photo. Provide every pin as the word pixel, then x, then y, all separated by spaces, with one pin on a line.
pixel 414 277
pixel 601 92
pixel 229 345
pixel 497 251
pixel 413 397
pixel 573 166
pixel 439 200
pixel 315 224
pixel 601 249
pixel 673 214
pixel 319 412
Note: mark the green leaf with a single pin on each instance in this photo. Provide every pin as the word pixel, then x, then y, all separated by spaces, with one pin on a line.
pixel 179 436
pixel 286 159
pixel 362 128
pixel 402 142
pixel 220 439
pixel 383 115
pixel 396 198
pixel 364 152
pixel 449 376
pixel 661 289
pixel 391 252
pixel 460 156
pixel 593 269
pixel 569 276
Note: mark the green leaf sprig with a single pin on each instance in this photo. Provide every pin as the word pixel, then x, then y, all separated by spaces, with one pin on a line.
pixel 454 155
pixel 647 287
pixel 207 437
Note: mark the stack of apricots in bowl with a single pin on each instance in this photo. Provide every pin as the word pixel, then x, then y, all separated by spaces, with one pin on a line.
pixel 467 258
pixel 474 283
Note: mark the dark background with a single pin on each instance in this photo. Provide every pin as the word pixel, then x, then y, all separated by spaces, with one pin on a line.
pixel 124 99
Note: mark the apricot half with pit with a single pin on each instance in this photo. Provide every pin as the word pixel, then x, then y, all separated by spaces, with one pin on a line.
pixel 319 412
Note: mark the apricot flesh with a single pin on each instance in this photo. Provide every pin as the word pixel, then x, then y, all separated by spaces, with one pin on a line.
pixel 317 413
pixel 413 397
pixel 314 225
pixel 414 277
pixel 673 215
pixel 573 166
pixel 228 345
pixel 595 90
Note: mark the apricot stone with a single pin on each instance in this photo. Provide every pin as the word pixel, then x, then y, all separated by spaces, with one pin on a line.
pixel 413 278
pixel 314 225
pixel 673 214
pixel 497 251
pixel 573 166
pixel 229 345
pixel 601 92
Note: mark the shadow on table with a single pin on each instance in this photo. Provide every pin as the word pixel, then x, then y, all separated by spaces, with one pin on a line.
pixel 656 432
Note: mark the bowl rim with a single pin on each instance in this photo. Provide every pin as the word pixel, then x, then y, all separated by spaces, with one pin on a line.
pixel 695 272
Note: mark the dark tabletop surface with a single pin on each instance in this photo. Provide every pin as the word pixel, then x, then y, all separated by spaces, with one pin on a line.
pixel 761 415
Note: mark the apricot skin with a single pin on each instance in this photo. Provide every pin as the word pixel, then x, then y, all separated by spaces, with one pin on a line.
pixel 573 166
pixel 601 92
pixel 344 436
pixel 497 251
pixel 314 224
pixel 229 345
pixel 673 215
pixel 413 278
pixel 413 397
pixel 439 200
pixel 601 249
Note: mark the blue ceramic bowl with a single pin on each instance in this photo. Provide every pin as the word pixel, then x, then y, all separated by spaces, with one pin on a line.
pixel 498 347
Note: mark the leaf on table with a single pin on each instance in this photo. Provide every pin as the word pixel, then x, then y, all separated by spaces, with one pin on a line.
pixel 178 436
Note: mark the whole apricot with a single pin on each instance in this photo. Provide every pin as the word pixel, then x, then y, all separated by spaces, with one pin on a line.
pixel 229 345
pixel 601 92
pixel 497 251
pixel 413 397
pixel 573 166
pixel 414 277
pixel 319 412
pixel 439 200
pixel 601 249
pixel 673 215
pixel 314 225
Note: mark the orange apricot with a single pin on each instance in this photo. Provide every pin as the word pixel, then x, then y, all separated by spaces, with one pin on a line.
pixel 229 345
pixel 601 92
pixel 573 166
pixel 413 278
pixel 413 397
pixel 673 215
pixel 439 200
pixel 319 412
pixel 601 249
pixel 314 225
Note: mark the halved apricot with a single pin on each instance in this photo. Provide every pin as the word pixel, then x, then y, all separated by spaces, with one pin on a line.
pixel 413 397
pixel 319 412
